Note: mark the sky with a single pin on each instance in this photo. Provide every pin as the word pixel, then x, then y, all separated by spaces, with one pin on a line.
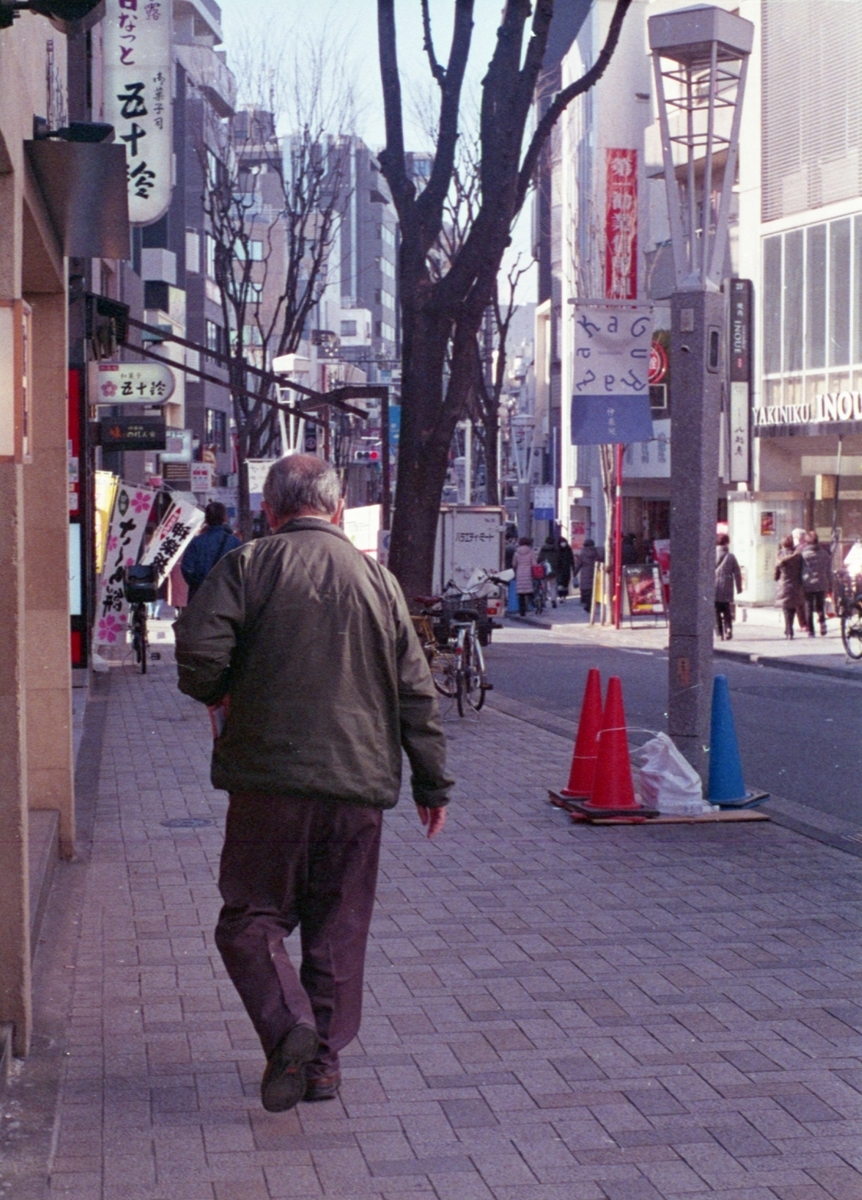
pixel 351 25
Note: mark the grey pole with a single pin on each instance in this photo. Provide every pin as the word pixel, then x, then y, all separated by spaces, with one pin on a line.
pixel 706 49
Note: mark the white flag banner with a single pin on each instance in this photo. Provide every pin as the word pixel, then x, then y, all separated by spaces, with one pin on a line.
pixel 176 529
pixel 610 400
pixel 129 516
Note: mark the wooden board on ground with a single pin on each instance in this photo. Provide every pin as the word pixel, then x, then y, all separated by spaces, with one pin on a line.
pixel 719 814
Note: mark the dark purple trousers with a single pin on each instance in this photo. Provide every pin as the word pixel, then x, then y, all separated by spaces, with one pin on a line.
pixel 312 863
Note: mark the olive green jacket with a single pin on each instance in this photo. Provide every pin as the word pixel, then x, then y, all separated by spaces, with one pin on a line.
pixel 327 680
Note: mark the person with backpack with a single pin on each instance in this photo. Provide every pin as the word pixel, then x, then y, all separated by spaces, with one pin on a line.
pixel 816 579
pixel 212 543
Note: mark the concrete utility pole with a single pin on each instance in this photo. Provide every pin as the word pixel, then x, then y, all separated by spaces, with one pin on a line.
pixel 700 88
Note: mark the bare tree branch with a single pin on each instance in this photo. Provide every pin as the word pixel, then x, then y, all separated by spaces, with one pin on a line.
pixel 564 97
pixel 436 70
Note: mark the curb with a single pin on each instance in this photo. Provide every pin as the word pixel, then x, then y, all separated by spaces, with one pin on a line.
pixel 851 674
pixel 784 664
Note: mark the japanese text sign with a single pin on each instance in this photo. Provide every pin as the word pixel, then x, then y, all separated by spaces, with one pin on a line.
pixel 621 224
pixel 137 86
pixel 131 383
pixel 610 401
pixel 125 533
pixel 177 528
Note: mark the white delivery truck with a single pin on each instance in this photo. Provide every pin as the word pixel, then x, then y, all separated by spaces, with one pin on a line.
pixel 469 536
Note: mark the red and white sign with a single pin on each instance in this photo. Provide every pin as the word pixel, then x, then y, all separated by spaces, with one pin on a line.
pixel 621 224
pixel 657 362
pixel 202 476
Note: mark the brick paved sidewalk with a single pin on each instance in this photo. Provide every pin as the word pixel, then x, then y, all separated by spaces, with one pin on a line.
pixel 552 1012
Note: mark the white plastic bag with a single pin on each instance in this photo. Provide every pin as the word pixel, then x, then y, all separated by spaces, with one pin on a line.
pixel 668 781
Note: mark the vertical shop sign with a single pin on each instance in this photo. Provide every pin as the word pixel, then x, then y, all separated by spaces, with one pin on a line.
pixel 137 82
pixel 610 402
pixel 176 529
pixel 740 379
pixel 125 534
pixel 621 224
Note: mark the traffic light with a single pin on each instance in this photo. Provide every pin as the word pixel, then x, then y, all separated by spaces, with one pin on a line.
pixel 368 454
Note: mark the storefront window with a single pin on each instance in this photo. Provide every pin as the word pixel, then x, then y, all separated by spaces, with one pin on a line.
pixel 839 293
pixel 772 392
pixel 793 390
pixel 815 341
pixel 814 386
pixel 772 305
pixel 793 275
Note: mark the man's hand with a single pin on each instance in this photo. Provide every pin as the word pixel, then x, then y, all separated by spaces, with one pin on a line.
pixel 433 818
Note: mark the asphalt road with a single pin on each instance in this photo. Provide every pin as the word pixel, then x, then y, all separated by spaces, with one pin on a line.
pixel 800 736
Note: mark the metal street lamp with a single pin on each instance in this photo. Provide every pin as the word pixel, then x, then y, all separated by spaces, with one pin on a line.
pixel 700 56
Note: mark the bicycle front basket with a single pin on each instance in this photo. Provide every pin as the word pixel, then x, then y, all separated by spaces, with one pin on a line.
pixel 140 584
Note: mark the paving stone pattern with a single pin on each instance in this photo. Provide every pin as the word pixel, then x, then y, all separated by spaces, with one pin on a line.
pixel 552 1013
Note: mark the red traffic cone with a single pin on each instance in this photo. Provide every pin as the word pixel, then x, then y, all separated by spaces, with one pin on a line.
pixel 583 769
pixel 613 792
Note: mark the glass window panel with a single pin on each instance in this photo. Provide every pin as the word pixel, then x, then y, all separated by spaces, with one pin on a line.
pixel 815 297
pixel 857 290
pixel 793 390
pixel 815 385
pixel 793 301
pixel 839 293
pixel 772 305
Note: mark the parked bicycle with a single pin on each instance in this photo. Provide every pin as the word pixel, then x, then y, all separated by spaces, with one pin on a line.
pixel 140 588
pixel 453 629
pixel 848 605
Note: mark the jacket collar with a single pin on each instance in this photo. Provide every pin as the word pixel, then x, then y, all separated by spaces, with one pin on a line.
pixel 315 523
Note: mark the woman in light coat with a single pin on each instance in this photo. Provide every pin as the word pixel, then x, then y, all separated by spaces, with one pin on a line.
pixel 523 560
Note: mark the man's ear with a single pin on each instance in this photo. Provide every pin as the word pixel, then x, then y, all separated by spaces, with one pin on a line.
pixel 338 515
pixel 270 518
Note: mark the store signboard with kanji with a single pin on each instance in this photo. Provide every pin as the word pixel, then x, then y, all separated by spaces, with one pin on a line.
pixel 137 99
pixel 621 223
pixel 741 297
pixel 610 401
pixel 131 383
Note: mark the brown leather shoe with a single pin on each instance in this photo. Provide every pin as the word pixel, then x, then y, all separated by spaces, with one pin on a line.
pixel 283 1084
pixel 323 1087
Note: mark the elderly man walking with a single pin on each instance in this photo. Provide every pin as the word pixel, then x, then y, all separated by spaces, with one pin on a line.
pixel 304 647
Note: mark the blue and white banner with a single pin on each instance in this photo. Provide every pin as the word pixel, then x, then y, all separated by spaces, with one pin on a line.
pixel 610 400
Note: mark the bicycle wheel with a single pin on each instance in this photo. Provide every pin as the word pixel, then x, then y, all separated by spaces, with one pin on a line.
pixel 851 633
pixel 443 670
pixel 477 683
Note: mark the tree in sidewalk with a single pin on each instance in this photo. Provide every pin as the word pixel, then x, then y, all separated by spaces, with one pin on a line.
pixel 441 317
pixel 273 206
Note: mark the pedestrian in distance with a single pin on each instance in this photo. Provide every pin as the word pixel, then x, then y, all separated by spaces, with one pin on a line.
pixel 585 569
pixel 524 560
pixel 789 595
pixel 816 579
pixel 204 551
pixel 629 550
pixel 550 555
pixel 727 577
pixel 304 649
pixel 566 568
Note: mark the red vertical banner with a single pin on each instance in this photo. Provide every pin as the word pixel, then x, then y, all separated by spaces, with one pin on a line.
pixel 621 224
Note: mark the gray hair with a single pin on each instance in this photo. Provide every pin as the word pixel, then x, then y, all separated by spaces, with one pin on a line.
pixel 299 482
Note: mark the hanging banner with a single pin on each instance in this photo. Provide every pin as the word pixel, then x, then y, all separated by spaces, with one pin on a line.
pixel 621 224
pixel 125 533
pixel 611 377
pixel 137 99
pixel 741 300
pixel 177 528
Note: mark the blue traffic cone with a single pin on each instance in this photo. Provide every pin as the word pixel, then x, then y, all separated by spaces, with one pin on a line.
pixel 726 783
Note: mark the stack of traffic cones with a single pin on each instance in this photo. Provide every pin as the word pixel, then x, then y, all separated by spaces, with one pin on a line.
pixel 613 793
pixel 583 769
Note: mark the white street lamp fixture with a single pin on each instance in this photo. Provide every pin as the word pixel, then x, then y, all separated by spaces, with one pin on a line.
pixel 700 89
